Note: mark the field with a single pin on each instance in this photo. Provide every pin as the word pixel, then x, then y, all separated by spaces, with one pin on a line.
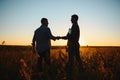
pixel 100 63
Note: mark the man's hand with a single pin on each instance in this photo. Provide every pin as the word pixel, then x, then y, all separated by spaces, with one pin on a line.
pixel 58 37
pixel 33 48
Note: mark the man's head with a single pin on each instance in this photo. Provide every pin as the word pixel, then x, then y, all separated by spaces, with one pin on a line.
pixel 44 21
pixel 74 18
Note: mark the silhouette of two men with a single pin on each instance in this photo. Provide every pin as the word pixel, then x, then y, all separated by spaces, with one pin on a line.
pixel 43 35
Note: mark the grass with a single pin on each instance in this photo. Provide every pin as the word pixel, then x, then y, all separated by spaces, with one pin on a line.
pixel 100 63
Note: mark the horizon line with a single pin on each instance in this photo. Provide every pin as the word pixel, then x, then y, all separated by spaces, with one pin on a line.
pixel 66 45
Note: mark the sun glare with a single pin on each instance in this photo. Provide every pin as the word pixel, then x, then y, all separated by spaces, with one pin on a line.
pixel 82 41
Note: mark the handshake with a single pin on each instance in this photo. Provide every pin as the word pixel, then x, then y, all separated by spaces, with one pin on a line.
pixel 59 37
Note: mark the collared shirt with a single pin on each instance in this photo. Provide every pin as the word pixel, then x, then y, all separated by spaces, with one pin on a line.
pixel 42 38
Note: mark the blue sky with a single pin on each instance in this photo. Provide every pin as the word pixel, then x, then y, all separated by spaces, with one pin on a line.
pixel 99 20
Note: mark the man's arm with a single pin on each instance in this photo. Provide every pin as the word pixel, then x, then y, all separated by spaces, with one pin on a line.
pixel 67 36
pixel 33 40
pixel 51 36
pixel 33 43
pixel 71 34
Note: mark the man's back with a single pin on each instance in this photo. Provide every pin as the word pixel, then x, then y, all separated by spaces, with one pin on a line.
pixel 42 37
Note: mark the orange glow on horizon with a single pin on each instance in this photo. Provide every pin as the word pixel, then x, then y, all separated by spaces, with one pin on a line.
pixel 64 42
pixel 82 42
pixel 53 43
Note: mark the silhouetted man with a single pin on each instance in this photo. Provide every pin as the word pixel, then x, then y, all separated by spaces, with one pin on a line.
pixel 41 40
pixel 73 43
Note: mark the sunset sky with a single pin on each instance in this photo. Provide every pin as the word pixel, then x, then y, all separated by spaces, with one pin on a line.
pixel 99 20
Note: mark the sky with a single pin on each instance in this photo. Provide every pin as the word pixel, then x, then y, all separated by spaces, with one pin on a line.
pixel 99 20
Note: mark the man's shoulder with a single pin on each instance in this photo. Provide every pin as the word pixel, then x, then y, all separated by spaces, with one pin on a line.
pixel 42 28
pixel 37 29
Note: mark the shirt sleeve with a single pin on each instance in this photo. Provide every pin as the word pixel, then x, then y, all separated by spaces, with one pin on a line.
pixel 71 34
pixel 34 39
pixel 67 36
pixel 50 35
